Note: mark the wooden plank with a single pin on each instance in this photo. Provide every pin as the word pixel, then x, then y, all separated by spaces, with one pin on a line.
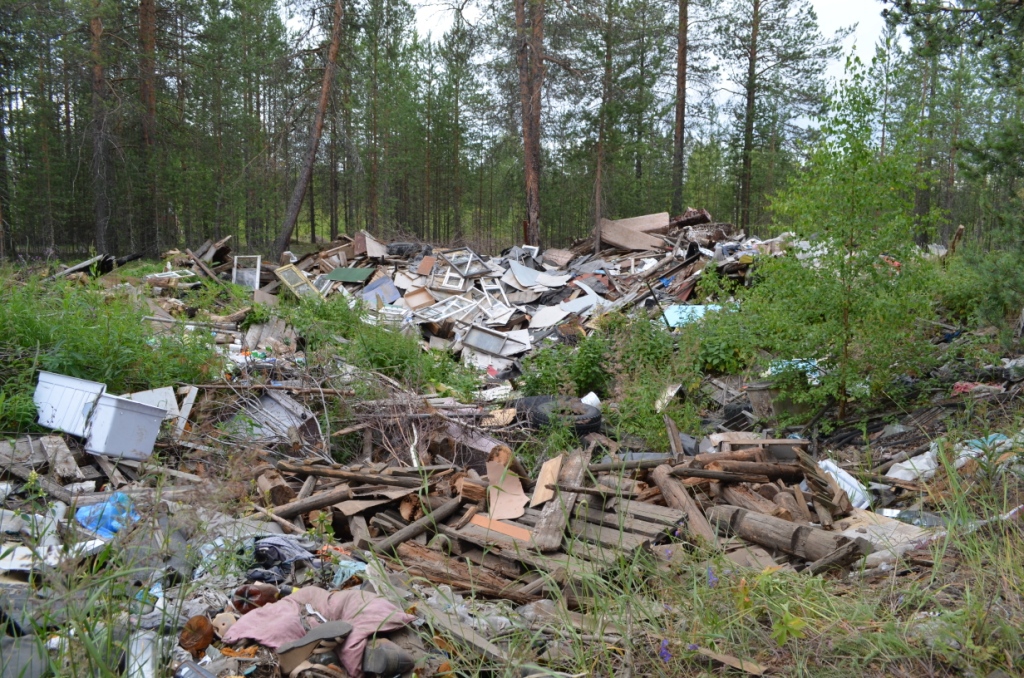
pixel 677 496
pixel 453 625
pixel 316 501
pixel 664 515
pixel 548 474
pixel 647 223
pixel 359 530
pixel 739 495
pixel 45 484
pixel 110 469
pixel 550 529
pixel 611 538
pixel 501 527
pixel 841 557
pixel 621 521
pixel 62 465
pixel 420 526
pixel 773 470
pixel 626 238
pixel 440 569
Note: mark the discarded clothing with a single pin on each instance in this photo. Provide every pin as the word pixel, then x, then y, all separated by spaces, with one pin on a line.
pixel 278 623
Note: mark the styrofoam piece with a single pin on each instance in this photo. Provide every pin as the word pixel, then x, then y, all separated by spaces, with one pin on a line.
pixel 65 403
pixel 123 429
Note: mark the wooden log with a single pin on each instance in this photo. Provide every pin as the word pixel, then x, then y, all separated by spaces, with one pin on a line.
pixel 440 569
pixel 313 502
pixel 418 527
pixel 802 541
pixel 601 492
pixel 741 496
pixel 285 525
pixel 789 503
pixel 773 470
pixel 802 503
pixel 628 465
pixel 62 465
pixel 841 557
pixel 471 492
pixel 467 516
pixel 677 497
pixel 274 486
pixel 550 528
pixel 754 454
pixel 328 472
pixel 722 476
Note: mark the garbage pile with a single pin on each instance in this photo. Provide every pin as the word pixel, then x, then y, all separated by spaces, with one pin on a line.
pixel 494 309
pixel 297 565
pixel 345 567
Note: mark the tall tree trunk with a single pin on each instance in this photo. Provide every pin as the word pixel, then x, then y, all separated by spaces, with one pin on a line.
pixel 334 176
pixel 4 235
pixel 147 92
pixel 456 173
pixel 312 209
pixel 295 204
pixel 606 86
pixel 679 132
pixel 530 62
pixel 147 70
pixel 100 142
pixel 746 177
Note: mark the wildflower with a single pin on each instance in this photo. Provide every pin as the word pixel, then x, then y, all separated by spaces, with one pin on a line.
pixel 712 579
pixel 693 647
pixel 663 652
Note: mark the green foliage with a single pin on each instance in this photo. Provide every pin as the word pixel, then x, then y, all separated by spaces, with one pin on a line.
pixel 981 288
pixel 849 301
pixel 331 326
pixel 90 333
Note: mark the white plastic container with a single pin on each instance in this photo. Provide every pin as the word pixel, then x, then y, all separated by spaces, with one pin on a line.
pixel 123 429
pixel 65 403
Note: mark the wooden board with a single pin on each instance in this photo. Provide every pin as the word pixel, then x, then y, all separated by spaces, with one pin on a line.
pixel 622 521
pixel 663 515
pixel 62 464
pixel 609 537
pixel 514 531
pixel 548 476
pixel 550 529
pixel 628 239
pixel 647 223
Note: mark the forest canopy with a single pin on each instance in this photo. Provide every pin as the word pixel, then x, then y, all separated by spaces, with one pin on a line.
pixel 140 126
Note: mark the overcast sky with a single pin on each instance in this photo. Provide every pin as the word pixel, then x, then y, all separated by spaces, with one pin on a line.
pixel 430 18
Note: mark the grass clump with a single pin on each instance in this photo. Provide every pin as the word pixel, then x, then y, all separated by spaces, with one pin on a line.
pixel 89 333
pixel 332 327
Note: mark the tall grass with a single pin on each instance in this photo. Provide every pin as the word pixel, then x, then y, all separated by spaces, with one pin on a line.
pixel 88 332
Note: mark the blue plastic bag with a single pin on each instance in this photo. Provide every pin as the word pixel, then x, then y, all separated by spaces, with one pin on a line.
pixel 108 518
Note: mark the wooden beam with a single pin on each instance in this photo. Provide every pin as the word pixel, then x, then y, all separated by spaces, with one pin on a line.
pixel 677 497
pixel 547 535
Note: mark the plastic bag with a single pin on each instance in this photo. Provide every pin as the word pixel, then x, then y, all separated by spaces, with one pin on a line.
pixel 110 517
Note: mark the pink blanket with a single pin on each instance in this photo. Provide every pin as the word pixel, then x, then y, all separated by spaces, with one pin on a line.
pixel 278 623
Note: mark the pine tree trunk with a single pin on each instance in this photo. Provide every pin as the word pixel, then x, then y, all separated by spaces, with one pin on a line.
pixel 295 204
pixel 147 92
pixel 530 62
pixel 746 178
pixel 100 142
pixel 679 132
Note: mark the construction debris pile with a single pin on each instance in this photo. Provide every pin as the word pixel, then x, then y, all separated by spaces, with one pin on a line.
pixel 437 530
pixel 494 309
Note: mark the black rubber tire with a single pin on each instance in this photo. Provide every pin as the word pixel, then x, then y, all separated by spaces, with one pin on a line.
pixel 582 417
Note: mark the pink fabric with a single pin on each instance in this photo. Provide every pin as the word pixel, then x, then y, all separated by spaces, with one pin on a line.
pixel 278 623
